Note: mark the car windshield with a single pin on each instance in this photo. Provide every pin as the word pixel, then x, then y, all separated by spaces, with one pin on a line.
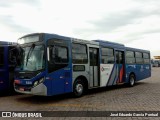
pixel 33 58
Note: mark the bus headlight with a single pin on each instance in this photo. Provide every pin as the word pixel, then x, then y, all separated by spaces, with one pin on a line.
pixel 38 82
pixel 35 83
pixel 41 80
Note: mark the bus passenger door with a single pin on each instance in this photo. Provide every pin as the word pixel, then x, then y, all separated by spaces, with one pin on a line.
pixel 120 66
pixel 93 67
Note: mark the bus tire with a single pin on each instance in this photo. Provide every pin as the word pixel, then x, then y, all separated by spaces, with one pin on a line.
pixel 131 80
pixel 78 88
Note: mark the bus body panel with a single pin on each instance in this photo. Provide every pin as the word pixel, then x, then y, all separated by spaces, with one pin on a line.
pixel 111 74
pixel 61 81
pixel 141 71
pixel 115 72
pixel 108 74
pixel 7 65
pixel 4 73
pixel 77 74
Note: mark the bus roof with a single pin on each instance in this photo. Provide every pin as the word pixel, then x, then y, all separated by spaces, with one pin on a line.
pixel 96 42
pixel 48 35
pixel 135 49
pixel 7 43
pixel 56 36
pixel 109 44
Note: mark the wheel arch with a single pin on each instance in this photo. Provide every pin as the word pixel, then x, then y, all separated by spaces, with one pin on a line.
pixel 84 80
pixel 132 73
pixel 131 79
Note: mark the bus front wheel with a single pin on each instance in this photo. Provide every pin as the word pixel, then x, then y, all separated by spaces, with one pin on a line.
pixel 78 88
pixel 131 80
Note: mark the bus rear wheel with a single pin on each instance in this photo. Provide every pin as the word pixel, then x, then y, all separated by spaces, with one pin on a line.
pixel 131 80
pixel 78 88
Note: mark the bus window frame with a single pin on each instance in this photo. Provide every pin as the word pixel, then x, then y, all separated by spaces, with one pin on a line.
pixel 84 62
pixel 131 57
pixel 56 46
pixel 50 44
pixel 108 55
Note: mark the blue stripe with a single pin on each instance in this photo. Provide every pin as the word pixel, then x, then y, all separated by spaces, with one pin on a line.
pixel 116 77
pixel 110 80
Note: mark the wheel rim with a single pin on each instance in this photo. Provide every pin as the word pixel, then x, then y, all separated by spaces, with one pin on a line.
pixel 79 88
pixel 132 81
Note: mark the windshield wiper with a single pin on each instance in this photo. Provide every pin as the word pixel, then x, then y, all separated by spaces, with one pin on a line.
pixel 29 53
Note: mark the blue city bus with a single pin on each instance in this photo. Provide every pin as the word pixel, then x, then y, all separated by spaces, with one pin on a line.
pixel 52 64
pixel 8 55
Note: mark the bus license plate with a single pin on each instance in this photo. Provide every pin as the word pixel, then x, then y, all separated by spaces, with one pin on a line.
pixel 21 89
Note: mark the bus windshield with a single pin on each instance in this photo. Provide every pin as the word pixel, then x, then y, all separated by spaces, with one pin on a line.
pixel 33 58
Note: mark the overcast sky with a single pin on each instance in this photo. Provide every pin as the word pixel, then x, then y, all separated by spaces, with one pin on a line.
pixel 135 23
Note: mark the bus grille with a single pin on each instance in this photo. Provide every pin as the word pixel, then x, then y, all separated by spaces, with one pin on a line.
pixel 26 75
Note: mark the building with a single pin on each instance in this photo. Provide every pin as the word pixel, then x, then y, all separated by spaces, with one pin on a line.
pixel 157 57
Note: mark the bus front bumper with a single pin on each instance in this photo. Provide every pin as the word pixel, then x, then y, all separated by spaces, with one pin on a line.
pixel 40 89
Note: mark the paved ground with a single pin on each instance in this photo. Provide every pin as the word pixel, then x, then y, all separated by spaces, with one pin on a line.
pixel 144 96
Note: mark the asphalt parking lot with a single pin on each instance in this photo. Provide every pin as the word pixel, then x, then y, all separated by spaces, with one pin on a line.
pixel 144 96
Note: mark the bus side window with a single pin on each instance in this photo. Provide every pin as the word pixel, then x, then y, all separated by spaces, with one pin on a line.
pixel 146 58
pixel 79 53
pixel 139 58
pixel 130 57
pixel 58 58
pixel 107 56
pixel 12 56
pixel 59 55
pixel 1 56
